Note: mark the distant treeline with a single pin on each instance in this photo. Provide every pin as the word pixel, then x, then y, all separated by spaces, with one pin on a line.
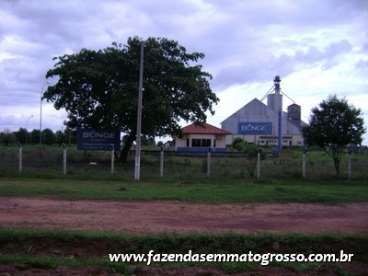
pixel 48 137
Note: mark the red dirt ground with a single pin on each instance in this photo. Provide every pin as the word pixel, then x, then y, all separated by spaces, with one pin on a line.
pixel 10 270
pixel 161 216
pixel 327 270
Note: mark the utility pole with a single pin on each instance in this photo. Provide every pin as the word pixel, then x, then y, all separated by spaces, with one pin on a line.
pixel 137 167
pixel 41 116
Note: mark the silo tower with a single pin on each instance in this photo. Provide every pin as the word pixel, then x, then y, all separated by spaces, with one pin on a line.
pixel 274 101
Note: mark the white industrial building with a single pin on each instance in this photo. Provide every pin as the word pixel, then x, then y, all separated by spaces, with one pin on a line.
pixel 262 124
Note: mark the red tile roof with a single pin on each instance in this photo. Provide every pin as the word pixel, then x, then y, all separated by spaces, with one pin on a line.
pixel 203 129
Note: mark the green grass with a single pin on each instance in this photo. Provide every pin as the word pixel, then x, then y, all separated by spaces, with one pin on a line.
pixel 174 243
pixel 93 247
pixel 47 262
pixel 199 190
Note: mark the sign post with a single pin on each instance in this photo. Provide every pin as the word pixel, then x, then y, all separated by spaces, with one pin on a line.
pixel 64 160
pixel 162 162
pixel 304 164
pixel 112 159
pixel 258 168
pixel 209 162
pixel 20 159
pixel 349 163
pixel 99 139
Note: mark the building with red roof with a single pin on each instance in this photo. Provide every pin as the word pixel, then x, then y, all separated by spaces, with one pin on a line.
pixel 201 138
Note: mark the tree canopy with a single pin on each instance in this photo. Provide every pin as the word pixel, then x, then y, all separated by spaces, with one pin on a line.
pixel 333 125
pixel 99 88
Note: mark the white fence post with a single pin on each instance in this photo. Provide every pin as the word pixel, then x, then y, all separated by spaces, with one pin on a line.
pixel 349 165
pixel 20 159
pixel 64 160
pixel 304 165
pixel 258 169
pixel 112 160
pixel 209 162
pixel 162 162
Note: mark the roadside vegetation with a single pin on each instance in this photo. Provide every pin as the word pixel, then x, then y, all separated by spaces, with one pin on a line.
pixel 191 190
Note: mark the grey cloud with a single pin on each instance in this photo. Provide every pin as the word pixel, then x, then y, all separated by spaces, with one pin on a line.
pixel 362 64
pixel 238 37
pixel 283 65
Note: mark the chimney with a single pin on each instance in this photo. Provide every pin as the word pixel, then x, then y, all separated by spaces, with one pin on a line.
pixel 294 114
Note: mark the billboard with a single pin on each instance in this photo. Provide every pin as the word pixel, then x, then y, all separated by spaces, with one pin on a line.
pixel 98 139
pixel 255 128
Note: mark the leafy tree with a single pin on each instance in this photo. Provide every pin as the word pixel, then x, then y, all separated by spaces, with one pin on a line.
pixel 7 137
pixel 238 144
pixel 22 136
pixel 59 137
pixel 70 136
pixel 250 151
pixel 333 125
pixel 148 141
pixel 48 137
pixel 99 89
pixel 35 136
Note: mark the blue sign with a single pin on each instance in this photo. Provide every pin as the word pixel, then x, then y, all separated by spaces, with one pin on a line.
pixel 98 139
pixel 255 128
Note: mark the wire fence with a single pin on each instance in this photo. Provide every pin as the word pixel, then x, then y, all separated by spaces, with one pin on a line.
pixel 57 161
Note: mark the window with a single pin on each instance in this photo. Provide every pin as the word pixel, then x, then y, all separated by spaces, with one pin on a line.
pixel 201 142
pixel 206 142
pixel 187 143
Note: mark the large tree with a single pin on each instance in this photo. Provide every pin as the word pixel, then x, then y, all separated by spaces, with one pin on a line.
pixel 22 136
pixel 99 89
pixel 333 125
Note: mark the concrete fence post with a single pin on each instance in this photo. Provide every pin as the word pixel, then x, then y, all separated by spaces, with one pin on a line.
pixel 258 168
pixel 20 159
pixel 209 162
pixel 162 162
pixel 64 161
pixel 304 165
pixel 349 165
pixel 112 160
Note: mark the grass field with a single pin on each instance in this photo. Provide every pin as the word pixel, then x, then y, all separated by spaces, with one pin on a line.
pixel 50 249
pixel 200 190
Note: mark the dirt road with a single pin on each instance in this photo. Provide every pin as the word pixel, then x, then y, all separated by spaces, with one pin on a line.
pixel 161 216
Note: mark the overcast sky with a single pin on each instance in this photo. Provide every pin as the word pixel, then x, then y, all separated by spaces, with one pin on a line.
pixel 317 47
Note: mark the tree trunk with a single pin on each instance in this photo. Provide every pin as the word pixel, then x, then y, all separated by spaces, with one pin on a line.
pixel 128 142
pixel 337 165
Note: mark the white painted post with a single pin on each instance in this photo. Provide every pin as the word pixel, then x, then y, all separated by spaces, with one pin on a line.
pixel 112 160
pixel 258 172
pixel 162 162
pixel 209 162
pixel 20 159
pixel 349 165
pixel 304 165
pixel 64 160
pixel 137 161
